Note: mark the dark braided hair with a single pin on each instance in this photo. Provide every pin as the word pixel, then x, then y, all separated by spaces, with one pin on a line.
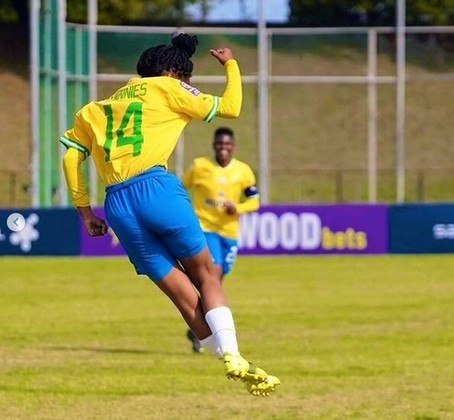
pixel 153 61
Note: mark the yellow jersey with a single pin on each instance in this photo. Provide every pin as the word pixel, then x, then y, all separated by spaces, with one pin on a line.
pixel 211 185
pixel 139 125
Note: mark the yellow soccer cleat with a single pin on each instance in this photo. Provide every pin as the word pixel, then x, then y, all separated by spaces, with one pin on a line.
pixel 263 389
pixel 236 367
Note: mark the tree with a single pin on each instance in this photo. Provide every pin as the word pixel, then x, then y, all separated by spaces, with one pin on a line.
pixel 121 12
pixel 110 11
pixel 368 12
pixel 14 11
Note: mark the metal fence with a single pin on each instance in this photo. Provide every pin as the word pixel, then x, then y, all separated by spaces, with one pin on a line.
pixel 318 185
pixel 318 101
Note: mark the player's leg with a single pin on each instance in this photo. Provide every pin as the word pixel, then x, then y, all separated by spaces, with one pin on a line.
pixel 150 219
pixel 229 252
pixel 220 319
pixel 150 257
pixel 179 288
pixel 215 248
pixel 173 220
pixel 176 285
pixel 215 327
pixel 214 242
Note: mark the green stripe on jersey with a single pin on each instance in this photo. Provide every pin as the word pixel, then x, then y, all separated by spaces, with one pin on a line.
pixel 71 143
pixel 214 109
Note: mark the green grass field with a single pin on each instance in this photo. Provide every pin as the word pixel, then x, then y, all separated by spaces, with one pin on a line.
pixel 350 337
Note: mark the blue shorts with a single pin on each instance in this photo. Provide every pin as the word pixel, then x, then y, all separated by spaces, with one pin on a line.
pixel 153 218
pixel 223 250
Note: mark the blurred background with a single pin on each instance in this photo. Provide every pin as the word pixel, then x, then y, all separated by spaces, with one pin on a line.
pixel 334 111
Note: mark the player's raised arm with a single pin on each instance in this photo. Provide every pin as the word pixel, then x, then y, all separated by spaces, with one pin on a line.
pixel 186 99
pixel 231 100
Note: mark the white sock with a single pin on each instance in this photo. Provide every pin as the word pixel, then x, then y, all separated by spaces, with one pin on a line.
pixel 222 326
pixel 211 344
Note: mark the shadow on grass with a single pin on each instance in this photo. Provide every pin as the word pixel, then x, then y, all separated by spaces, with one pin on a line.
pixel 117 350
pixel 74 392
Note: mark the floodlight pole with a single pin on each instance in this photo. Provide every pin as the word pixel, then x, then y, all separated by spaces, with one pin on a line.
pixel 34 99
pixel 46 134
pixel 372 113
pixel 400 101
pixel 62 96
pixel 93 91
pixel 263 105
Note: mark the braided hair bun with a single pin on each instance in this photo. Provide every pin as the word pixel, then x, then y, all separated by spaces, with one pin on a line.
pixel 156 60
pixel 185 42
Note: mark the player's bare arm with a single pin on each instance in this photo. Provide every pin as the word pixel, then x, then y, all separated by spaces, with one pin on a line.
pixel 94 225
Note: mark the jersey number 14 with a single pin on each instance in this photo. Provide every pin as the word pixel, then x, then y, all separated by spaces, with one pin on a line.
pixel 134 111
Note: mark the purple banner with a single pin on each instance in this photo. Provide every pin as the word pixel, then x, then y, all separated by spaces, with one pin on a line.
pixel 330 229
pixel 101 245
pixel 293 229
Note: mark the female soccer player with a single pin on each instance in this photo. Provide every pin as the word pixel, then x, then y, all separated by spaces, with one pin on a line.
pixel 131 136
pixel 221 189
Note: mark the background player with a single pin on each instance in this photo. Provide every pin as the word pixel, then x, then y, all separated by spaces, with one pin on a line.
pixel 222 188
pixel 131 135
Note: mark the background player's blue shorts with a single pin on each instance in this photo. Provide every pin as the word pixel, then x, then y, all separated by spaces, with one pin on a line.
pixel 223 250
pixel 153 218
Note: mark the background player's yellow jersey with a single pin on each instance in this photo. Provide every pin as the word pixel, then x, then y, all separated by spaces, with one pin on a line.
pixel 211 185
pixel 139 125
